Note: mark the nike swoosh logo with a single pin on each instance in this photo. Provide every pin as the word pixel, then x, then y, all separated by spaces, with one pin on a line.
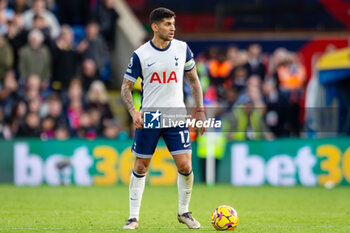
pixel 151 64
pixel 133 199
pixel 187 145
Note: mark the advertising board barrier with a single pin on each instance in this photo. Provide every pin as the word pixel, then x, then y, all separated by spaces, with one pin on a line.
pixel 281 162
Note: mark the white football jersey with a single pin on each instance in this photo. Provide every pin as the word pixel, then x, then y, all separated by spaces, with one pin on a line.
pixel 161 72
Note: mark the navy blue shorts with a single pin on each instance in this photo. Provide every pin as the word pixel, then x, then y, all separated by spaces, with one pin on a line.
pixel 177 140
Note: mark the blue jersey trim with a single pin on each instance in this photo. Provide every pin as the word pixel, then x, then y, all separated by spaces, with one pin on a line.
pixel 189 54
pixel 176 152
pixel 128 77
pixel 166 48
pixel 143 156
pixel 134 68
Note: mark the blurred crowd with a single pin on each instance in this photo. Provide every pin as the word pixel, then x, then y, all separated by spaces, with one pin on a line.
pixel 54 67
pixel 257 95
pixel 55 64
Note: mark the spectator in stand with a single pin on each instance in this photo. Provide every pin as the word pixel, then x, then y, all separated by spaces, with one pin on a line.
pixel 219 68
pixel 9 94
pixel 19 6
pixel 62 132
pixel 97 98
pixel 240 77
pixel 34 105
pixel 47 128
pixel 74 112
pixel 31 125
pixel 290 75
pixel 232 54
pixel 3 24
pixel 14 26
pixel 39 7
pixel 32 88
pixel 16 36
pixel 6 14
pixel 86 130
pixel 230 100
pixel 276 59
pixel 112 129
pixel 75 92
pixel 93 47
pixel 55 110
pixel 75 106
pixel 96 120
pixel 6 57
pixel 13 123
pixel 33 96
pixel 246 121
pixel 89 73
pixel 65 59
pixel 39 23
pixel 252 93
pixel 276 109
pixel 107 17
pixel 220 71
pixel 242 58
pixel 255 63
pixel 35 58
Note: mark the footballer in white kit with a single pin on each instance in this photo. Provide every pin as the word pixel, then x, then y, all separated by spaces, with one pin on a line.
pixel 161 72
pixel 161 63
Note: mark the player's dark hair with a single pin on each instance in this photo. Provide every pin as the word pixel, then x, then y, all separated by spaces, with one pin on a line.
pixel 157 15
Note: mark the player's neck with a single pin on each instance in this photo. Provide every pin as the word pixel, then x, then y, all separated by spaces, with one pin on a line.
pixel 159 43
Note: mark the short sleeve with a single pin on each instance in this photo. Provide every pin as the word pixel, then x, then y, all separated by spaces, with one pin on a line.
pixel 134 68
pixel 190 63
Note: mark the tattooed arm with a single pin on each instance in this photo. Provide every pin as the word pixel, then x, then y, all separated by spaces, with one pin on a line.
pixel 126 93
pixel 196 88
pixel 197 94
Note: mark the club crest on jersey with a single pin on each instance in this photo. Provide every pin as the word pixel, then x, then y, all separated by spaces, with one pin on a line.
pixel 176 59
pixel 151 119
pixel 161 79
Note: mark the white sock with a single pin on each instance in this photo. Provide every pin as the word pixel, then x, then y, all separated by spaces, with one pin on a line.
pixel 184 186
pixel 136 187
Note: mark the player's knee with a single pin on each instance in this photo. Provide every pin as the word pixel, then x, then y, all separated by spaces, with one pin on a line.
pixel 141 168
pixel 185 168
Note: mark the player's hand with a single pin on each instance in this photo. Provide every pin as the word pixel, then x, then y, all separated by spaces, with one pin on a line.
pixel 137 119
pixel 200 116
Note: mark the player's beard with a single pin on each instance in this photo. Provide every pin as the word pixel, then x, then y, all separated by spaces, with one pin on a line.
pixel 166 37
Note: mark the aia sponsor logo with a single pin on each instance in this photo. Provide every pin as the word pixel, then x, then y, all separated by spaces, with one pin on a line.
pixel 161 79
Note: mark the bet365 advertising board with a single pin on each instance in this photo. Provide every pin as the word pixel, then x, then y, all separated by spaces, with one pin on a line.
pixel 282 162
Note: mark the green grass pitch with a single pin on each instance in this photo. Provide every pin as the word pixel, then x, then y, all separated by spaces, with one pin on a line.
pixel 105 209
